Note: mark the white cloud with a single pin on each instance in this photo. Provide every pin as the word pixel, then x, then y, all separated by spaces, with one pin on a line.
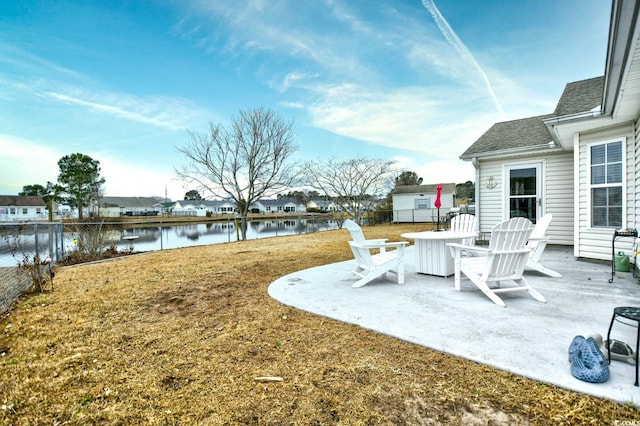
pixel 335 61
pixel 29 63
pixel 164 112
pixel 293 79
pixel 456 171
pixel 413 118
pixel 25 163
pixel 438 107
pixel 453 39
pixel 130 180
pixel 309 34
pixel 173 114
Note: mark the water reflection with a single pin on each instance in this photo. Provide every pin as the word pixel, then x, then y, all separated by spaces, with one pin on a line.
pixel 163 236
pixel 176 236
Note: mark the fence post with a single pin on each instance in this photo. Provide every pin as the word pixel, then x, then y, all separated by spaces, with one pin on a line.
pixel 50 228
pixel 35 233
pixel 59 233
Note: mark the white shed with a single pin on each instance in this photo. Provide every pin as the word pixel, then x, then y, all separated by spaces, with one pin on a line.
pixel 415 203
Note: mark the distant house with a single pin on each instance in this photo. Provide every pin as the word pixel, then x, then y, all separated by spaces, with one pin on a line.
pixel 322 205
pixel 189 208
pixel 282 205
pixel 203 207
pixel 415 203
pixel 128 206
pixel 166 208
pixel 19 208
pixel 581 163
pixel 64 211
pixel 220 206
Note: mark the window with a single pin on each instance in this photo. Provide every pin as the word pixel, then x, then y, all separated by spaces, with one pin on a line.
pixel 422 203
pixel 606 182
pixel 523 193
pixel 25 211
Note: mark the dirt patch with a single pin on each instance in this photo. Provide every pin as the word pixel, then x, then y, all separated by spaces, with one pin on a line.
pixel 76 257
pixel 180 336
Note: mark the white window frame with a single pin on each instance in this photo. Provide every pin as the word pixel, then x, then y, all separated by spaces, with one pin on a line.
pixel 623 184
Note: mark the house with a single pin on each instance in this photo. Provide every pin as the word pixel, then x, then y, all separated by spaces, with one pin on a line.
pixel 189 208
pixel 22 207
pixel 167 207
pixel 322 205
pixel 220 206
pixel 581 162
pixel 415 203
pixel 128 206
pixel 282 205
pixel 203 207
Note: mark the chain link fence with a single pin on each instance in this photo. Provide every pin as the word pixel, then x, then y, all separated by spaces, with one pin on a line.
pixel 23 244
pixel 430 215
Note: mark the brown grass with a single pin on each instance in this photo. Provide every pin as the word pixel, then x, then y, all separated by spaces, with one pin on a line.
pixel 179 336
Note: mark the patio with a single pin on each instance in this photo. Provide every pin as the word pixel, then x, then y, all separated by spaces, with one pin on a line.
pixel 527 337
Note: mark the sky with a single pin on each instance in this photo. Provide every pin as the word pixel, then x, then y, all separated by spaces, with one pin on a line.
pixel 416 82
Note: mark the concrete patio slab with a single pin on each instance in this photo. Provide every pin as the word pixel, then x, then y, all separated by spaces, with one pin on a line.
pixel 527 337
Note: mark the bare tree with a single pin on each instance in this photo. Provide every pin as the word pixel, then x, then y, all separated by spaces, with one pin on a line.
pixel 245 162
pixel 354 184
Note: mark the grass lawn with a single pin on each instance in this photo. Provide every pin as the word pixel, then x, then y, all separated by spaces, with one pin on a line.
pixel 180 336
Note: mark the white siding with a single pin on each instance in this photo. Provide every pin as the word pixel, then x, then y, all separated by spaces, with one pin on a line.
pixel 489 203
pixel 558 197
pixel 637 177
pixel 408 201
pixel 19 214
pixel 557 193
pixel 109 211
pixel 595 243
pixel 404 207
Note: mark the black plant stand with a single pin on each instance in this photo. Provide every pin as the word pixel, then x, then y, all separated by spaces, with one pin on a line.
pixel 627 233
pixel 630 313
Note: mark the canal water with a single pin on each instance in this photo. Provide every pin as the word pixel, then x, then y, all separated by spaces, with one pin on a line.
pixel 176 236
pixel 31 240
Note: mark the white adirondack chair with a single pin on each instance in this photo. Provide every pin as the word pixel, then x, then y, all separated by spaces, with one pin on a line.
pixel 465 223
pixel 503 261
pixel 371 265
pixel 536 244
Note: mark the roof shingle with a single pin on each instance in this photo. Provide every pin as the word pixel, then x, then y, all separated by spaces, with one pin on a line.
pixel 447 188
pixel 580 96
pixel 577 97
pixel 22 201
pixel 511 134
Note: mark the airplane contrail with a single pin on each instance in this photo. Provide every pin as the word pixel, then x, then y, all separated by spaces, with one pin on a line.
pixel 459 46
